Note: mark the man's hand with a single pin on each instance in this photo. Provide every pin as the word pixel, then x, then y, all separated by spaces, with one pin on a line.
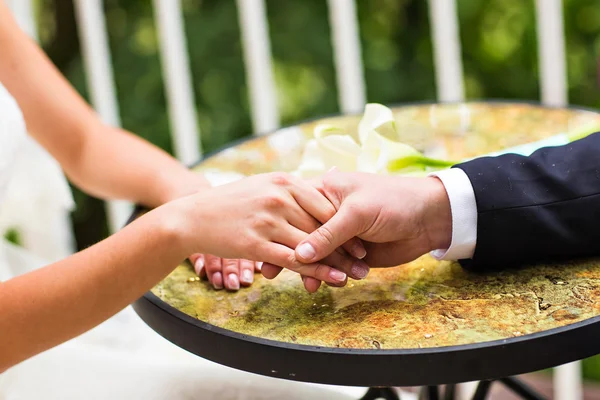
pixel 400 218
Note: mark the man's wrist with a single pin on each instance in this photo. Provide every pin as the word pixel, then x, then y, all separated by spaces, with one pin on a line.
pixel 437 216
pixel 463 209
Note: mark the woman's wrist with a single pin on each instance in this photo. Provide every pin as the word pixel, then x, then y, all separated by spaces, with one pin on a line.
pixel 175 223
pixel 170 186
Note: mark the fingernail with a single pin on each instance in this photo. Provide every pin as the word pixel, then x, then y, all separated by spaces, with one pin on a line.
pixel 359 251
pixel 234 282
pixel 259 265
pixel 247 276
pixel 217 280
pixel 360 270
pixel 306 251
pixel 199 265
pixel 334 168
pixel 336 275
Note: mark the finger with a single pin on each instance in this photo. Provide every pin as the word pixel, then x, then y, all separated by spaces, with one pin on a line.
pixel 317 183
pixel 270 271
pixel 214 270
pixel 290 236
pixel 318 206
pixel 331 235
pixel 312 201
pixel 281 255
pixel 246 272
pixel 299 218
pixel 356 248
pixel 231 271
pixel 334 284
pixel 311 284
pixel 198 262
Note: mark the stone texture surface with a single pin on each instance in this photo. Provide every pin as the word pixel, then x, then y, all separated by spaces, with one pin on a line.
pixel 422 304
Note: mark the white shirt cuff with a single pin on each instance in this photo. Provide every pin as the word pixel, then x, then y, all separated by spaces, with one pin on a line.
pixel 464 215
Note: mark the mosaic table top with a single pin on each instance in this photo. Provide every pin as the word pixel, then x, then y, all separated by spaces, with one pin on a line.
pixel 422 304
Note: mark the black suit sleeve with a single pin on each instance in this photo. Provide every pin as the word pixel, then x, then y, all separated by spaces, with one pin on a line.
pixel 542 207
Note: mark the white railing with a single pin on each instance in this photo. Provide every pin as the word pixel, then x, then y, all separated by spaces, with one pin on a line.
pixel 446 50
pixel 259 70
pixel 348 59
pixel 178 81
pixel 98 67
pixel 553 86
pixel 261 83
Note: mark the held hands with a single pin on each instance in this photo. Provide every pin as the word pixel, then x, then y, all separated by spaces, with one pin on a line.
pixel 263 218
pixel 398 218
pixel 266 217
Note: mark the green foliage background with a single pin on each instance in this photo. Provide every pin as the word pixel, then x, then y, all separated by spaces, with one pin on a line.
pixel 499 47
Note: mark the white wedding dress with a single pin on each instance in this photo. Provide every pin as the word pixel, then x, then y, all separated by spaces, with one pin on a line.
pixel 122 358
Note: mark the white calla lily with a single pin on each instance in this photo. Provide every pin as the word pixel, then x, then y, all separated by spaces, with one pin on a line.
pixel 312 161
pixel 379 150
pixel 379 118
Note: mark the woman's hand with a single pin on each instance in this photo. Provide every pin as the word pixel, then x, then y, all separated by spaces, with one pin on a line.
pixel 221 273
pixel 263 218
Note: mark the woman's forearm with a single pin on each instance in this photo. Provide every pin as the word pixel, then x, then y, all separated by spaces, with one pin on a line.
pixel 136 170
pixel 104 161
pixel 46 307
pixel 263 214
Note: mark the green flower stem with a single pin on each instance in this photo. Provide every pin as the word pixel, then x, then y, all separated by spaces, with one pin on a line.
pixel 418 160
pixel 580 134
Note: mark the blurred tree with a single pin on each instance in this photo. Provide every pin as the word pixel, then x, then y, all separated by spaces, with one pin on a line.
pixel 499 47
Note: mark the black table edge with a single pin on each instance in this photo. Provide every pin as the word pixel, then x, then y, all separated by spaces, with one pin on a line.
pixel 373 367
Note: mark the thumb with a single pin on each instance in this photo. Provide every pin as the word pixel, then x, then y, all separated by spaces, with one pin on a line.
pixel 331 235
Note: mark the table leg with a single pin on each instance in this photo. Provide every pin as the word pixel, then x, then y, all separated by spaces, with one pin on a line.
pixel 384 393
pixel 429 393
pixel 450 392
pixel 482 390
pixel 433 393
pixel 521 389
pixel 518 387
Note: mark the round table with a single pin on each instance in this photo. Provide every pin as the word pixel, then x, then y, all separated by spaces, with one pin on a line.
pixel 426 323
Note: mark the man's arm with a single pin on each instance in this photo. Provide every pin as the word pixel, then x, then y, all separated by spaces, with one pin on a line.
pixel 496 211
pixel 544 206
pixel 400 218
